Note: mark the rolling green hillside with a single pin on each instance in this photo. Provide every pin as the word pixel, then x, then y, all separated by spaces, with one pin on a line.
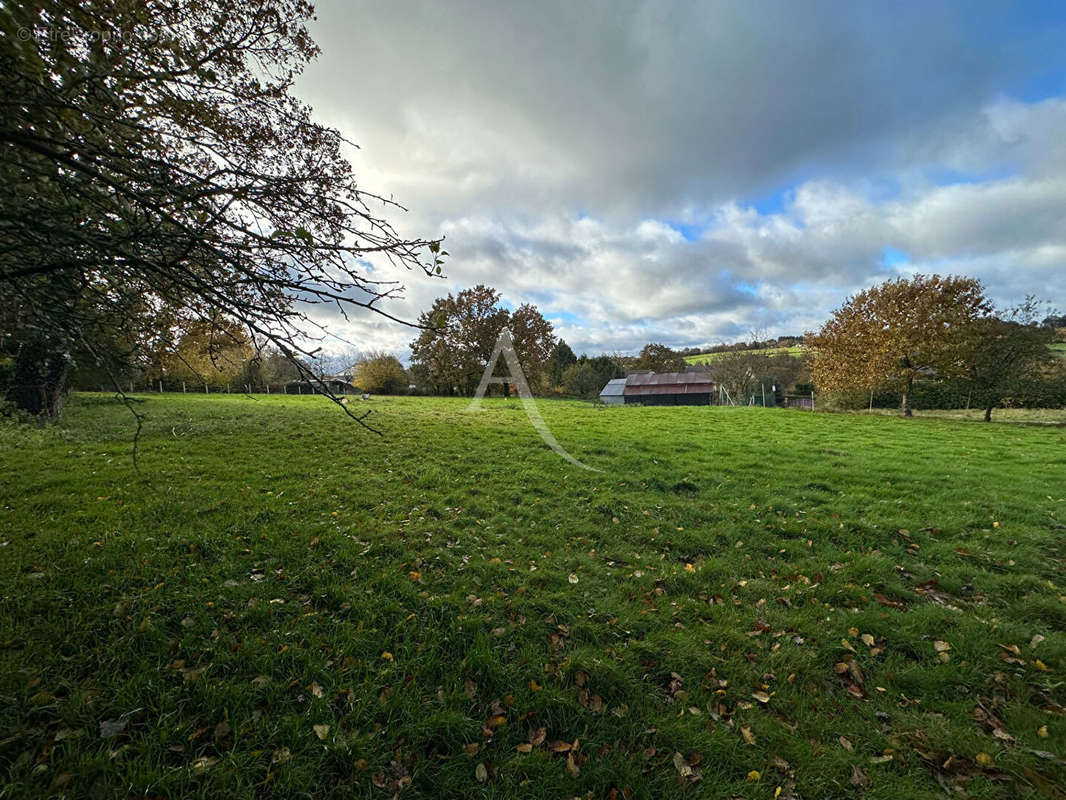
pixel 707 358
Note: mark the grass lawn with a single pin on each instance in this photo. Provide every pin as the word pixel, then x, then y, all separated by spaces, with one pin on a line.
pixel 708 358
pixel 1027 416
pixel 745 602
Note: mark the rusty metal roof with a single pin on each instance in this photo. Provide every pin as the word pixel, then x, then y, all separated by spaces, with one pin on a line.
pixel 669 383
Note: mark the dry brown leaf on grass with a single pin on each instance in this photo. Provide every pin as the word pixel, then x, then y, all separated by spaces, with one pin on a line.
pixel 571 764
pixel 858 777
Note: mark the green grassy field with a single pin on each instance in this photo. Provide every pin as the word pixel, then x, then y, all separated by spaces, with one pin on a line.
pixel 708 358
pixel 1060 349
pixel 745 602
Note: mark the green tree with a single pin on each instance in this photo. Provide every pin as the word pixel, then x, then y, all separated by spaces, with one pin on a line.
pixel 587 376
pixel 1005 352
pixel 561 358
pixel 582 380
pixel 898 332
pixel 660 358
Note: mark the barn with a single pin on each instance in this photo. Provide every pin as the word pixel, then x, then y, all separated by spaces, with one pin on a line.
pixel 664 389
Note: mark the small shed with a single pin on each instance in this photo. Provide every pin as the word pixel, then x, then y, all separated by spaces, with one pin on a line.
pixel 670 389
pixel 612 392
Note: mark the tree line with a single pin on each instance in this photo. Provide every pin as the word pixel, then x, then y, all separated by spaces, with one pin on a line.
pixel 942 331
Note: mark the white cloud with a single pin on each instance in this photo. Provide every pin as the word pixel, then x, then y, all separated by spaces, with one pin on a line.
pixel 601 159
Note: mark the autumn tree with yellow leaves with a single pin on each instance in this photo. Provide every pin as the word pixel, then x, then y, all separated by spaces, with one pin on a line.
pixel 892 334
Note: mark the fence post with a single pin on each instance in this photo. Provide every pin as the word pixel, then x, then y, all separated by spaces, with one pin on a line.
pixel 161 386
pixel 812 401
pixel 183 387
pixel 207 389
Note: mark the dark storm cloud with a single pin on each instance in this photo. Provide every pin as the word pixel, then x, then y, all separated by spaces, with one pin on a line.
pixel 551 142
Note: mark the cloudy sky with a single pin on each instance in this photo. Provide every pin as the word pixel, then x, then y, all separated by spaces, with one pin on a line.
pixel 688 172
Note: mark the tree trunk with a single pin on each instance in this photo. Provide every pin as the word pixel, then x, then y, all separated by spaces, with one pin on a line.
pixel 38 381
pixel 988 414
pixel 907 411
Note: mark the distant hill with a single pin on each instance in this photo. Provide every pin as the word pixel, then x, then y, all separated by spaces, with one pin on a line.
pixel 708 358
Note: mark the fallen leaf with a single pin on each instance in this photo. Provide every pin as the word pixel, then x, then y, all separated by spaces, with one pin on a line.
pixel 749 737
pixel 985 760
pixel 281 756
pixel 481 772
pixel 845 743
pixel 888 603
pixel 867 639
pixel 682 766
pixel 858 777
pixel 753 776
pixel 762 697
pixel 941 647
pixel 1042 732
pixel 321 731
pixel 571 765
pixel 1002 735
pixel 525 747
pixel 386 655
pixel 572 578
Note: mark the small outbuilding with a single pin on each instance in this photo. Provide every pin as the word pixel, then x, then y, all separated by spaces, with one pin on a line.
pixel 612 392
pixel 670 389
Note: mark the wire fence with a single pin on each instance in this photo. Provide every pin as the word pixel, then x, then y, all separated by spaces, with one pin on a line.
pixel 186 387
